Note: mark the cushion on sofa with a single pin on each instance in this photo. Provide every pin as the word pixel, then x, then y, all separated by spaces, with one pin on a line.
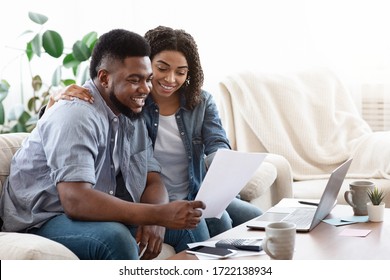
pixel 24 246
pixel 263 179
pixel 9 144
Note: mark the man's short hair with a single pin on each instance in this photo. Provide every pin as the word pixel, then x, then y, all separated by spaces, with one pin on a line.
pixel 117 44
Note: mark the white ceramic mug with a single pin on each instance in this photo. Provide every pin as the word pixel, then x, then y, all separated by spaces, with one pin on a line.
pixel 279 241
pixel 357 196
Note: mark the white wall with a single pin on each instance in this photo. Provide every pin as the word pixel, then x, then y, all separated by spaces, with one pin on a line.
pixel 350 36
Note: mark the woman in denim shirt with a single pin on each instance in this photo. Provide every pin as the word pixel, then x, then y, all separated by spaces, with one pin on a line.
pixel 184 125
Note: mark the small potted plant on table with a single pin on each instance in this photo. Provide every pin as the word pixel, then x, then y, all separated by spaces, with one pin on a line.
pixel 376 207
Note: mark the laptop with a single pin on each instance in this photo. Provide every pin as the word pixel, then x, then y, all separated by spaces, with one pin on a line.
pixel 299 212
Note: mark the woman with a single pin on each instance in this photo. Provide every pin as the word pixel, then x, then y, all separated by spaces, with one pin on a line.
pixel 183 123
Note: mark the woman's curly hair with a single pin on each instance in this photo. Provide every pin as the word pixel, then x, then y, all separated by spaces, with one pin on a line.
pixel 164 38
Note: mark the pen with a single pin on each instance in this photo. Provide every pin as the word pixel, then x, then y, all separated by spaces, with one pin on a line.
pixel 308 203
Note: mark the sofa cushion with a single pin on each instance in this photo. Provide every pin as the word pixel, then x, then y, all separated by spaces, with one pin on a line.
pixel 24 246
pixel 9 144
pixel 263 179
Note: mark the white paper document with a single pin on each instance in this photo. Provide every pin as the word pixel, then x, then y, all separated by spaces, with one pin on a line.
pixel 229 172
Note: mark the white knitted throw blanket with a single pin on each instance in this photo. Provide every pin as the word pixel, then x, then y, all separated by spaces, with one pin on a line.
pixel 309 118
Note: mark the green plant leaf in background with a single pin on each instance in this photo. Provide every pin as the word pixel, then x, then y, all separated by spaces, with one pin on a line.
pixel 4 88
pixel 69 61
pixel 26 32
pixel 90 39
pixel 84 76
pixel 81 52
pixel 36 45
pixel 52 43
pixel 20 126
pixel 15 112
pixel 56 79
pixel 29 51
pixel 38 18
pixel 68 82
pixel 36 83
pixel 31 103
pixel 2 114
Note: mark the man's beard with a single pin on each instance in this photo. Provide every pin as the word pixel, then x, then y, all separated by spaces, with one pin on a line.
pixel 123 109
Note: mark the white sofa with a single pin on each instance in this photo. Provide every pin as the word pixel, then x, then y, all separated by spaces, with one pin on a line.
pixel 311 118
pixel 265 189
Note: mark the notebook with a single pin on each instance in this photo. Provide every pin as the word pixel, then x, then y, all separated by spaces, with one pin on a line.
pixel 305 217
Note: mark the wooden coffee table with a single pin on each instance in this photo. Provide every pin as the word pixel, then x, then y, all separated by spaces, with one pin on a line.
pixel 325 241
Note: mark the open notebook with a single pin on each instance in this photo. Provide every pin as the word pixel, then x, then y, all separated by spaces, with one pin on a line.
pixel 305 217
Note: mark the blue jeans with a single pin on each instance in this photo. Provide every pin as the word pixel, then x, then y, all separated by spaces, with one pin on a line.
pixel 237 212
pixel 241 211
pixel 110 240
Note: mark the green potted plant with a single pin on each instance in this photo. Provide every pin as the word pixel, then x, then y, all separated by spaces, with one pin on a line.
pixel 72 61
pixel 376 206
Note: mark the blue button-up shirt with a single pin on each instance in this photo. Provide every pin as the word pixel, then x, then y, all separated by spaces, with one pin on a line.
pixel 73 142
pixel 200 130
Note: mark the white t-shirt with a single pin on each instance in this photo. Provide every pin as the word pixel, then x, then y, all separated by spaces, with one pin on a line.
pixel 170 152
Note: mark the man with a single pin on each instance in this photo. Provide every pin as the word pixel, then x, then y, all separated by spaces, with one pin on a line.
pixel 86 176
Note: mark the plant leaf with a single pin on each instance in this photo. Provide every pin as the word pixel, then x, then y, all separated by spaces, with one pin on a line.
pixel 29 51
pixel 38 18
pixel 2 114
pixel 68 82
pixel 69 61
pixel 56 79
pixel 32 122
pixel 36 45
pixel 15 112
pixel 81 51
pixel 18 127
pixel 31 103
pixel 4 88
pixel 85 75
pixel 90 39
pixel 36 83
pixel 26 32
pixel 24 117
pixel 376 196
pixel 52 43
pixel 75 70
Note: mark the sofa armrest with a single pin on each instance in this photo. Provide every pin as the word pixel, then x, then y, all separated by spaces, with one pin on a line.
pixel 271 182
pixel 9 144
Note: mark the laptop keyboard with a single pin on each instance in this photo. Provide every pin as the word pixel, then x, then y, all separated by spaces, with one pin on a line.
pixel 301 217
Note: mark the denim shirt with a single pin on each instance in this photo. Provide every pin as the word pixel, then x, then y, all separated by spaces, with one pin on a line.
pixel 201 132
pixel 73 141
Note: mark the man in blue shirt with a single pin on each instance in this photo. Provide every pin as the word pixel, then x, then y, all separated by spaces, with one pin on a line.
pixel 86 176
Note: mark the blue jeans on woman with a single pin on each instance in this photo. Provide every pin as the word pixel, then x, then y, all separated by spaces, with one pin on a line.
pixel 110 240
pixel 237 212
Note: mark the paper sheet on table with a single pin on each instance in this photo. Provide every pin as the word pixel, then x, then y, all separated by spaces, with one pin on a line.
pixel 355 232
pixel 346 220
pixel 337 222
pixel 229 172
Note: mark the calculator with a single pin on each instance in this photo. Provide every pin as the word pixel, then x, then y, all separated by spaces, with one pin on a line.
pixel 241 244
